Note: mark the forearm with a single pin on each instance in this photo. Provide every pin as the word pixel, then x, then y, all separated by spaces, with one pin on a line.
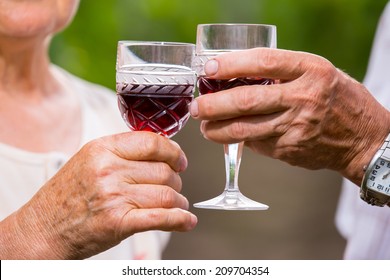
pixel 22 238
pixel 374 126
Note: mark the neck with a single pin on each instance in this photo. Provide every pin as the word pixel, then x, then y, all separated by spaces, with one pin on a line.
pixel 24 68
pixel 46 114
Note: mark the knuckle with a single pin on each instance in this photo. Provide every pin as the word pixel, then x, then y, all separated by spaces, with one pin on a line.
pixel 246 100
pixel 328 71
pixel 265 60
pixel 168 198
pixel 279 128
pixel 168 177
pixel 149 145
pixel 183 220
pixel 95 159
pixel 177 219
pixel 173 220
pixel 237 130
pixel 205 107
pixel 164 173
pixel 93 147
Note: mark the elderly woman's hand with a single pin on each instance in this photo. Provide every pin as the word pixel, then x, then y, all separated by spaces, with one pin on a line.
pixel 112 188
pixel 314 116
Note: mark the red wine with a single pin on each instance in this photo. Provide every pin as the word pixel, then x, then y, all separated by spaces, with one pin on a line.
pixel 163 109
pixel 206 85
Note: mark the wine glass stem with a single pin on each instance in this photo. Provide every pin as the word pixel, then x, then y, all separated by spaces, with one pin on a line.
pixel 233 154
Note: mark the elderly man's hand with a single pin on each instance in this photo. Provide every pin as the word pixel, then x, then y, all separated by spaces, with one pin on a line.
pixel 314 116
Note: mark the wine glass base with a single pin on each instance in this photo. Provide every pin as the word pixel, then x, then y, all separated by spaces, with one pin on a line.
pixel 231 201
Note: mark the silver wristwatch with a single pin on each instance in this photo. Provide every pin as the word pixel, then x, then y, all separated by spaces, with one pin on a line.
pixel 375 188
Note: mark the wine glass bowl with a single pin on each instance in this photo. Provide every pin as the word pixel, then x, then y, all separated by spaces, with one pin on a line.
pixel 155 85
pixel 212 40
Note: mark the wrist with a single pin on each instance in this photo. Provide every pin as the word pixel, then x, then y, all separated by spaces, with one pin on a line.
pixel 355 169
pixel 18 243
pixel 22 237
pixel 364 150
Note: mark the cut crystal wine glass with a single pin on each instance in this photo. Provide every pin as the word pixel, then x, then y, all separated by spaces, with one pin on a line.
pixel 155 85
pixel 212 40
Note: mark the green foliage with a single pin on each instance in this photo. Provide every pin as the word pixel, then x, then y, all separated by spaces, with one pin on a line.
pixel 340 30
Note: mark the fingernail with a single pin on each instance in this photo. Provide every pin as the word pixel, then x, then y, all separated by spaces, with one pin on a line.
pixel 187 204
pixel 194 220
pixel 201 128
pixel 183 163
pixel 211 67
pixel 194 110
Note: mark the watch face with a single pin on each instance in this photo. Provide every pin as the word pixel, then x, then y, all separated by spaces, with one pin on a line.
pixel 379 177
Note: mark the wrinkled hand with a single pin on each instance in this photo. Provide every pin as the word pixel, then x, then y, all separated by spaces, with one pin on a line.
pixel 112 188
pixel 314 116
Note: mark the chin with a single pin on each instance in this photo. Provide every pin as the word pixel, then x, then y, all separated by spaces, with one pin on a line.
pixel 33 19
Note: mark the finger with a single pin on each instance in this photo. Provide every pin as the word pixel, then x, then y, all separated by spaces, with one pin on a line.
pixel 147 172
pixel 261 62
pixel 147 146
pixel 245 128
pixel 240 101
pixel 153 196
pixel 175 219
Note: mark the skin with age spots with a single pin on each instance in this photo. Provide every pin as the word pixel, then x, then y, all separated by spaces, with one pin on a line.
pixel 111 188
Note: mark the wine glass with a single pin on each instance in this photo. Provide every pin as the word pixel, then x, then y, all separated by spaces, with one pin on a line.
pixel 211 40
pixel 155 85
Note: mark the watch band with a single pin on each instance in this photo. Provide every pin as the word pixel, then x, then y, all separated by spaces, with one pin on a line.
pixel 368 195
pixel 371 198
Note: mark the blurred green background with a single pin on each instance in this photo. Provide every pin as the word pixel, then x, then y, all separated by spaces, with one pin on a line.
pixel 300 221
